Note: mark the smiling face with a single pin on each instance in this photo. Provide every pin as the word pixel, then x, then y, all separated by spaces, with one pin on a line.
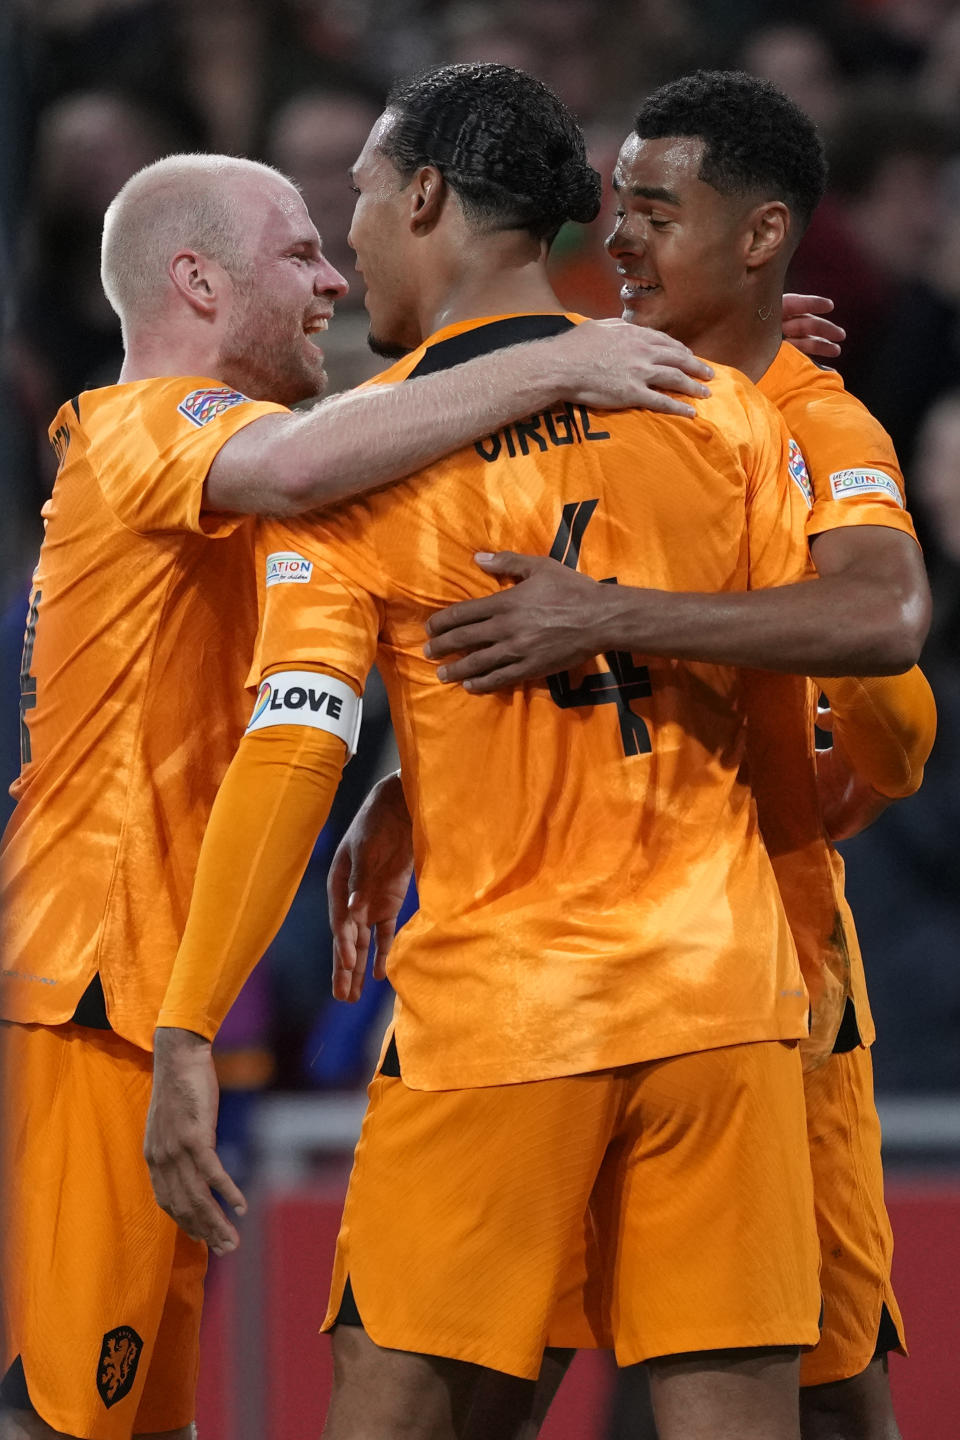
pixel 379 236
pixel 283 295
pixel 680 245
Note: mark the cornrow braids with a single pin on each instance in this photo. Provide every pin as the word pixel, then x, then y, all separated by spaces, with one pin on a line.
pixel 502 140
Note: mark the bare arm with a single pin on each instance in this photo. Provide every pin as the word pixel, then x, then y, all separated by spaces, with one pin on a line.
pixel 288 464
pixel 867 614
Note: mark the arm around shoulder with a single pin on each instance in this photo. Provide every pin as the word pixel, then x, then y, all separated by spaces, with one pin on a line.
pixel 880 592
pixel 290 464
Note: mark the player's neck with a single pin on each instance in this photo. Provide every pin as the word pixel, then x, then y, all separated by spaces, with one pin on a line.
pixel 151 355
pixel 748 340
pixel 496 286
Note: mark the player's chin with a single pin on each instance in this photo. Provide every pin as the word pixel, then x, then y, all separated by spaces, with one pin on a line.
pixel 642 313
pixel 308 384
pixel 386 348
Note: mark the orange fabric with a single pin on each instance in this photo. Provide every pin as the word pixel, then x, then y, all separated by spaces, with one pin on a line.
pixel 782 772
pixel 86 1250
pixel 142 620
pixel 603 906
pixel 464 1207
pixel 272 805
pixel 886 726
pixel 856 1242
pixel 837 436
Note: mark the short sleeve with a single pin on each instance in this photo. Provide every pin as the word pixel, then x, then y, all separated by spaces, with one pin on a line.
pixel 152 446
pixel 778 503
pixel 853 466
pixel 312 611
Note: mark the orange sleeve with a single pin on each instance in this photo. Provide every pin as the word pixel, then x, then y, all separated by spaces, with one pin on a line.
pixel 853 466
pixel 312 611
pixel 151 450
pixel 886 727
pixel 271 807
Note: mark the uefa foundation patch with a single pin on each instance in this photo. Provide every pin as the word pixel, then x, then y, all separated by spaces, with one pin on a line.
pixel 848 484
pixel 202 406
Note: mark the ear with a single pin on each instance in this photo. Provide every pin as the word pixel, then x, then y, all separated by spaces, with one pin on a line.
pixel 769 231
pixel 198 280
pixel 427 193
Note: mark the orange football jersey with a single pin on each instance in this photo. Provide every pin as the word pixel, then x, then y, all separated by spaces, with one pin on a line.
pixel 141 625
pixel 854 479
pixel 593 887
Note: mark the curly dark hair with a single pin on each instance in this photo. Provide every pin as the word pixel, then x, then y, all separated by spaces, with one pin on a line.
pixel 502 140
pixel 756 140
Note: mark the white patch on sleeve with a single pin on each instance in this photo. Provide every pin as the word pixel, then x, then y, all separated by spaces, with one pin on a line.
pixel 286 567
pixel 849 484
pixel 305 697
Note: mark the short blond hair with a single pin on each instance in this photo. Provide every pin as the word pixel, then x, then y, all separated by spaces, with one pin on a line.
pixel 180 202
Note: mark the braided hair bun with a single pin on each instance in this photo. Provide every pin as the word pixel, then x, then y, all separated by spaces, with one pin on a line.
pixel 502 140
pixel 581 189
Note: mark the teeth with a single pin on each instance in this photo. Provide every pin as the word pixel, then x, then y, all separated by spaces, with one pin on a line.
pixel 312 326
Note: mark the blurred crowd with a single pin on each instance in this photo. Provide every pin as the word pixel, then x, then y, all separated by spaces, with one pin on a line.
pixel 90 90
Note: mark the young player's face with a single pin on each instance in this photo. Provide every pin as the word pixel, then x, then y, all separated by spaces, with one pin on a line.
pixel 284 296
pixel 678 243
pixel 378 236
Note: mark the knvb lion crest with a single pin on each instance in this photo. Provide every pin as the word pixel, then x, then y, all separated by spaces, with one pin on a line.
pixel 119 1358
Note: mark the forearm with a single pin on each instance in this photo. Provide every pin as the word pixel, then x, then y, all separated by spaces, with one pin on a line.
pixel 272 804
pixel 885 728
pixel 286 465
pixel 831 626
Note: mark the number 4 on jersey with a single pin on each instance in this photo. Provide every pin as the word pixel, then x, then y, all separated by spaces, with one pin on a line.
pixel 625 680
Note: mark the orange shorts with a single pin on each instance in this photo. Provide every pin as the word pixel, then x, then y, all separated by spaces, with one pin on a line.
pixel 856 1243
pixel 464 1208
pixel 855 1237
pixel 101 1290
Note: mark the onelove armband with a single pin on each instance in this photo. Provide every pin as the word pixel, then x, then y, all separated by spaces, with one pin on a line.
pixel 311 698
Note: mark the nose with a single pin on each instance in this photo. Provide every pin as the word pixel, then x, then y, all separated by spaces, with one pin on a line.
pixel 329 281
pixel 621 241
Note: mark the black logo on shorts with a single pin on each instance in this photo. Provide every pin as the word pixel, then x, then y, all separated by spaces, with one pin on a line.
pixel 119 1359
